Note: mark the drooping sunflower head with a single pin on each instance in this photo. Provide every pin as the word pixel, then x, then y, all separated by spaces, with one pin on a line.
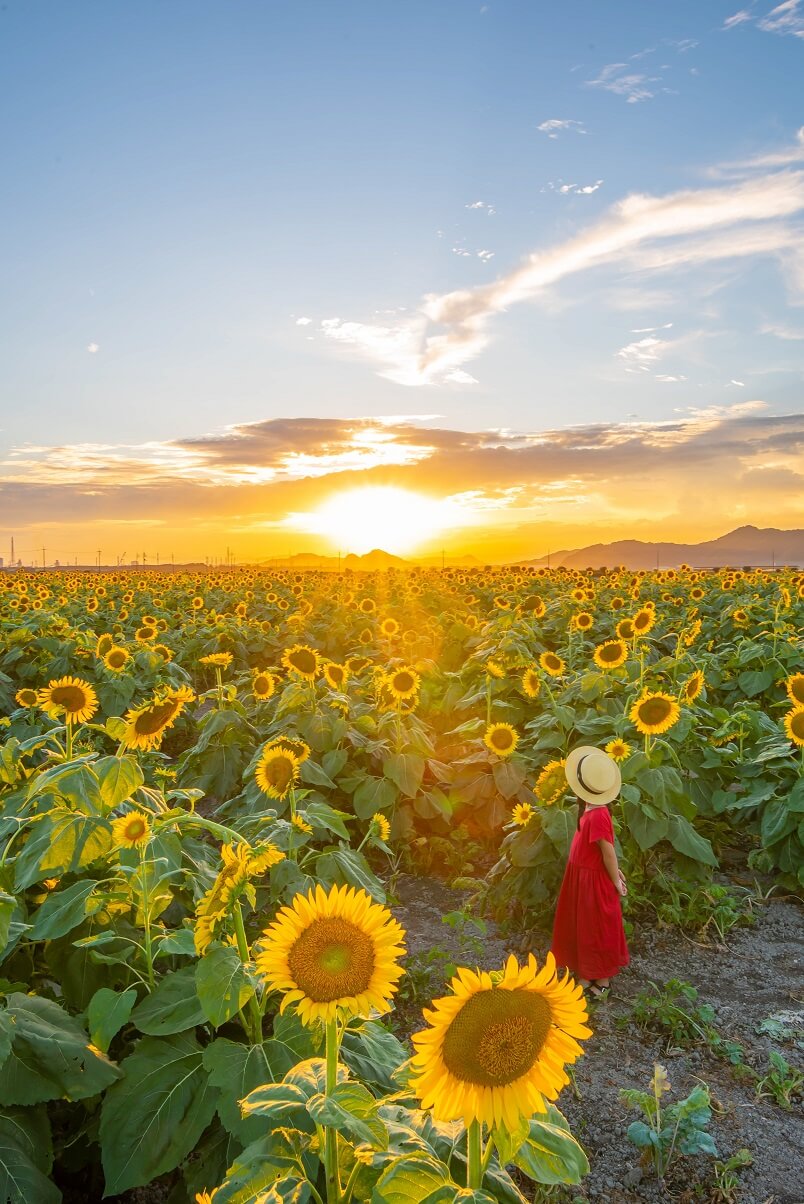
pixel 552 664
pixel 333 952
pixel 611 655
pixel 262 686
pixel 131 830
pixel 692 686
pixel 302 661
pixel 501 738
pixel 291 744
pixel 336 676
pixel 402 683
pixel 653 714
pixel 625 629
pixel 531 683
pixel 795 689
pixel 618 750
pixel 26 697
pixel 532 605
pixel 146 725
pixel 551 782
pixel 116 658
pixel 70 697
pixel 494 1051
pixel 276 771
pixel 794 725
pixel 381 826
pixel 103 645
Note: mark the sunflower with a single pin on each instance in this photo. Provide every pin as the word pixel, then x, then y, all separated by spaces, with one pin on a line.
pixel 240 863
pixel 131 830
pixel 532 605
pixel 356 664
pixel 262 686
pixel 331 953
pixel 692 686
pixel 103 645
pixel 551 782
pixel 389 627
pixel 197 603
pixel 302 661
pixel 552 664
pixel 146 725
pixel 26 697
pixel 277 770
pixel 367 606
pixel 795 689
pixel 381 826
pixel 71 697
pixel 501 738
pixel 116 658
pixel 531 683
pixel 521 814
pixel 582 621
pixel 222 659
pixel 653 714
pixel 610 655
pixel 495 669
pixel 794 725
pixel 301 825
pixel 625 629
pixel 291 744
pixel 145 633
pixel 618 750
pixel 494 1051
pixel 402 683
pixel 643 620
pixel 336 676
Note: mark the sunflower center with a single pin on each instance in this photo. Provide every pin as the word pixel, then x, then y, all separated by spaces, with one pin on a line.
pixel 135 829
pixel 502 739
pixel 402 682
pixel 72 698
pixel 279 771
pixel 496 1037
pixel 610 652
pixel 303 660
pixel 654 710
pixel 117 659
pixel 332 959
pixel 152 720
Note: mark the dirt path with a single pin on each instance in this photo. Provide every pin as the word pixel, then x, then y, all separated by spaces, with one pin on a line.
pixel 756 978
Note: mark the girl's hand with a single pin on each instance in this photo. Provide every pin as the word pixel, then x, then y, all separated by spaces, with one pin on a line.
pixel 621 886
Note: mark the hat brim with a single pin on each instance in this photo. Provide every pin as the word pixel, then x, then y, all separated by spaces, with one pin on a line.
pixel 571 770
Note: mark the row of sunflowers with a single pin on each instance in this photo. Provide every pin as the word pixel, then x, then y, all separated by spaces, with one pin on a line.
pixel 204 779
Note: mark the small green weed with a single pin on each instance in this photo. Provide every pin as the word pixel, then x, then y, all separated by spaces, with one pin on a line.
pixel 705 910
pixel 727 1180
pixel 782 1082
pixel 667 1133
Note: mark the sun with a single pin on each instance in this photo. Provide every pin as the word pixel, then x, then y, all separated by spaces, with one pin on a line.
pixel 376 516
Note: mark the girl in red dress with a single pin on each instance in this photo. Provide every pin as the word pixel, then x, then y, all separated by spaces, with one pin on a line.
pixel 588 933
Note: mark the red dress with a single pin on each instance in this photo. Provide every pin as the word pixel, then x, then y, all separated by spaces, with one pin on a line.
pixel 588 933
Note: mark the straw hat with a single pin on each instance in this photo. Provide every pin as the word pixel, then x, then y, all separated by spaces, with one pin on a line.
pixel 593 775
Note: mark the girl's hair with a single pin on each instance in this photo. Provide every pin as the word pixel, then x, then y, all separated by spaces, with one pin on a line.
pixel 582 808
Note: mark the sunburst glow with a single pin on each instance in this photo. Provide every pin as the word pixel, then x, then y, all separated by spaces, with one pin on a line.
pixel 379 516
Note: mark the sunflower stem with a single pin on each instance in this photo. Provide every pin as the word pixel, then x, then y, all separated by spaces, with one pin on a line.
pixel 146 919
pixel 68 743
pixel 330 1134
pixel 474 1155
pixel 488 700
pixel 254 1015
pixel 291 847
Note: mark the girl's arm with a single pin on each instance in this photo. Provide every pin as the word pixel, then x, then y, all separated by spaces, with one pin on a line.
pixel 611 865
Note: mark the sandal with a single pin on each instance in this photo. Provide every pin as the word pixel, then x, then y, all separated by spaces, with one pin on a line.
pixel 597 990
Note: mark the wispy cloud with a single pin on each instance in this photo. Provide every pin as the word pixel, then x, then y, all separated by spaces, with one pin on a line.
pixel 574 189
pixel 556 126
pixel 786 19
pixel 738 18
pixel 784 157
pixel 484 205
pixel 622 81
pixel 781 331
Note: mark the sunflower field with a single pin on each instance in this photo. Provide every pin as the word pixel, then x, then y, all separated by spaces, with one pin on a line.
pixel 208 783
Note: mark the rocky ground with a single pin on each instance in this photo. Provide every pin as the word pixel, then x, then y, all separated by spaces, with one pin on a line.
pixel 756 977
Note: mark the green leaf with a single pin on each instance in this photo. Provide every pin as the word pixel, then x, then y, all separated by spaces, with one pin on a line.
pixel 50 1055
pixel 347 865
pixel 8 904
pixel 778 821
pixel 509 776
pixel 350 1108
pixel 223 984
pixel 118 778
pixel 26 1157
pixel 372 795
pixel 406 771
pixel 62 911
pixel 179 943
pixel 236 1070
pixel 255 1172
pixel 108 1011
pixel 647 825
pixel 686 840
pixel 373 1054
pixel 550 1154
pixel 321 815
pixel 63 842
pixel 173 1007
pixel 153 1118
pixel 755 681
pixel 411 1179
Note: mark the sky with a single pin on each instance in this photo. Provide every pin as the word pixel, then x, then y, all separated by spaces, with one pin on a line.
pixel 495 277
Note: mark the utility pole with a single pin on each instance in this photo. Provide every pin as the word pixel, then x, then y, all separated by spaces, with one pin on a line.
pixel 99 556
pixel 43 557
pixel 12 551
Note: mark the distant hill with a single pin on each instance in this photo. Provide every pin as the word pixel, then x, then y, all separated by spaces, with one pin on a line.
pixel 745 545
pixel 369 563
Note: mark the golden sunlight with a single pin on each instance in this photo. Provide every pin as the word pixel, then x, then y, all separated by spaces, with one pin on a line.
pixel 376 516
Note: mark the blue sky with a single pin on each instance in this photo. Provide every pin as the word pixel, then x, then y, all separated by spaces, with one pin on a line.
pixel 236 213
